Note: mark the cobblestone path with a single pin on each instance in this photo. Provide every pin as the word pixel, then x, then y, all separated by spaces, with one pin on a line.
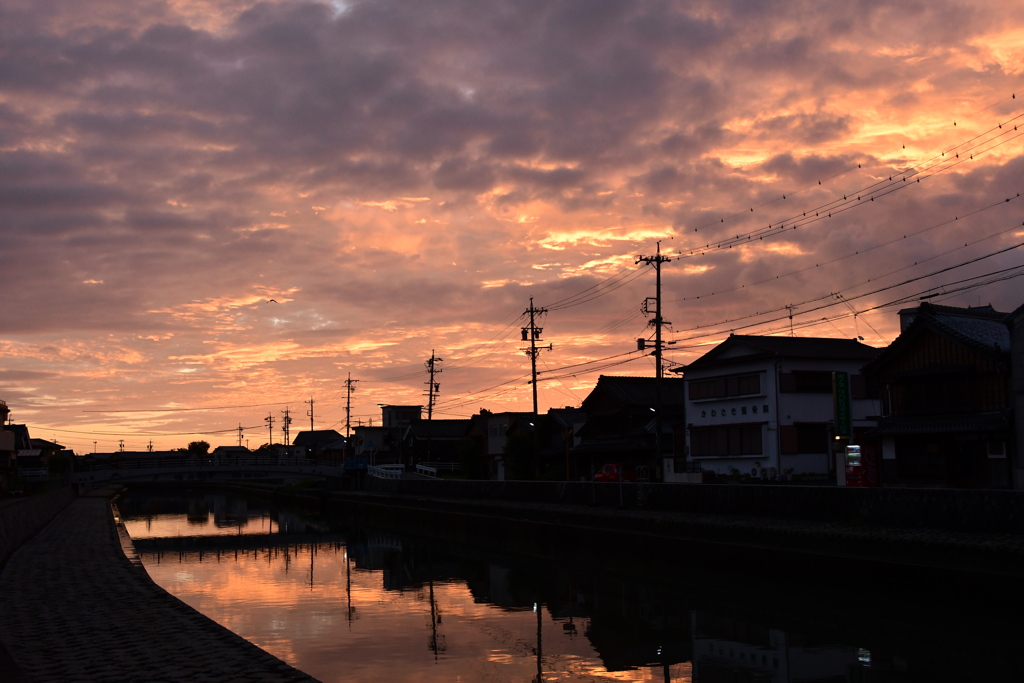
pixel 74 607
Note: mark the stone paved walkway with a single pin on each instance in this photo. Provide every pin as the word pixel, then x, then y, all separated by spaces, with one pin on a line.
pixel 74 607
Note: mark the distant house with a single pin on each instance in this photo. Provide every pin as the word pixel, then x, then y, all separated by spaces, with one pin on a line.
pixel 947 404
pixel 435 440
pixel 229 453
pixel 520 445
pixel 400 416
pixel 377 445
pixel 621 424
pixel 766 407
pixel 29 462
pixel 1015 323
pixel 490 431
pixel 8 450
pixel 557 435
pixel 321 444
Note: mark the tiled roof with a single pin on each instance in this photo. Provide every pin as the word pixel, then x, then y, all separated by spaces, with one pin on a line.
pixel 983 329
pixel 987 332
pixel 316 438
pixel 787 347
pixel 640 391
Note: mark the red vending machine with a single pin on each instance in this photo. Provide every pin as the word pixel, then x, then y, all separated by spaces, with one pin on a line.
pixel 854 466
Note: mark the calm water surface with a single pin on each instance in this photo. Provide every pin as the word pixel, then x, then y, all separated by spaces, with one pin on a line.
pixel 342 602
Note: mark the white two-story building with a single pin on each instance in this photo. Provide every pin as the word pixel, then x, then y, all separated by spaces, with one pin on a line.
pixel 776 407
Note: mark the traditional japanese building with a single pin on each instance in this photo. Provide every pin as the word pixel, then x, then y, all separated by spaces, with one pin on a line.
pixel 945 384
pixel 622 424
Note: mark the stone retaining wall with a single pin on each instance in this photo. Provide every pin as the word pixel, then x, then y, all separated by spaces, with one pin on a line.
pixel 952 509
pixel 21 519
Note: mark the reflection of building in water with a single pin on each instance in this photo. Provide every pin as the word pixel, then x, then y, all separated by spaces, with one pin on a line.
pixel 730 649
pixel 498 592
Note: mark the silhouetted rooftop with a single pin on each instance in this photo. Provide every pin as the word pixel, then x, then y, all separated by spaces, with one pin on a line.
pixel 741 347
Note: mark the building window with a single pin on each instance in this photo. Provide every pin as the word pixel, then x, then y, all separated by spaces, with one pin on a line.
pixel 804 438
pixel 726 440
pixel 725 387
pixel 806 382
pixel 996 449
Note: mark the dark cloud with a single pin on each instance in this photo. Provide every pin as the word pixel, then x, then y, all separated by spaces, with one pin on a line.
pixel 809 169
pixel 405 180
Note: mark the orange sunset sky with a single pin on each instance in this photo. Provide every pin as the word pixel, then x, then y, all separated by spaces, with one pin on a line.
pixel 402 177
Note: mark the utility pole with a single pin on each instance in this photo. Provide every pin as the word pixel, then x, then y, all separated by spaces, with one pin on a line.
pixel 121 445
pixel 286 422
pixel 531 333
pixel 239 434
pixel 433 387
pixel 658 322
pixel 348 404
pixel 269 419
pixel 150 448
pixel 310 412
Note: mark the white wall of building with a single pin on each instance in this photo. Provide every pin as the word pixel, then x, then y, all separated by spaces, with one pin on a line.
pixel 772 408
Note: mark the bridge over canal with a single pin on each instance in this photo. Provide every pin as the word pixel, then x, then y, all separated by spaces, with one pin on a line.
pixel 208 469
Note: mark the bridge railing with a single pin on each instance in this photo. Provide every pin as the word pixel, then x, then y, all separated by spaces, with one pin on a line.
pixel 202 462
pixel 443 466
pixel 386 471
pixel 426 470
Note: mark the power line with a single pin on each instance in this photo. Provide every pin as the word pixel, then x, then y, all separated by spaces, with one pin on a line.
pixel 823 297
pixel 130 434
pixel 852 199
pixel 859 252
pixel 790 193
pixel 187 410
pixel 895 302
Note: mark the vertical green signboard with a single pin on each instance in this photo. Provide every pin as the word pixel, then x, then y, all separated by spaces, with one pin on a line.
pixel 841 400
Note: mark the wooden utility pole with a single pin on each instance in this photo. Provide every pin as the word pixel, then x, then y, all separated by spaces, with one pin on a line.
pixel 310 412
pixel 531 334
pixel 286 422
pixel 348 405
pixel 433 368
pixel 658 322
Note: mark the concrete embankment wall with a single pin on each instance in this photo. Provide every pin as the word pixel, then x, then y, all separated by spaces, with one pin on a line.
pixel 950 509
pixel 22 519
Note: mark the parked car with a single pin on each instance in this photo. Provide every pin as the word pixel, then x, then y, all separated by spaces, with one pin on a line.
pixel 616 471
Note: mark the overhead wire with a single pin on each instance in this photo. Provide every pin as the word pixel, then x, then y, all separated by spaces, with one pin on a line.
pixel 873 279
pixel 784 195
pixel 866 294
pixel 850 200
pixel 859 252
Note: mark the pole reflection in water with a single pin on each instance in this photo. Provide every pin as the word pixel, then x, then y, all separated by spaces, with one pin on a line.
pixel 359 609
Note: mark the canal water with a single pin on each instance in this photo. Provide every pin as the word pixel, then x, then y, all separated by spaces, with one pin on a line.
pixel 349 602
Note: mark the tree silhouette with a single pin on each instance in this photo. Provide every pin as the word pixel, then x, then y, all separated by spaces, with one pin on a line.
pixel 198 448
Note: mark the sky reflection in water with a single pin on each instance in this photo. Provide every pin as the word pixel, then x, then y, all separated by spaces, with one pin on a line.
pixel 347 602
pixel 310 605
